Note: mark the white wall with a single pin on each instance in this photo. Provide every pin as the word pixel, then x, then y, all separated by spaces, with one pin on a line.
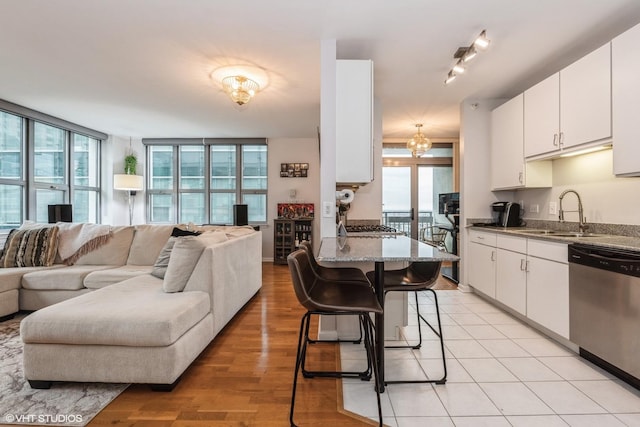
pixel 114 202
pixel 606 199
pixel 291 150
pixel 475 167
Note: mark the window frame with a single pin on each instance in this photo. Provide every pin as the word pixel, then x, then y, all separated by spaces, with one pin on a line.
pixel 27 182
pixel 176 191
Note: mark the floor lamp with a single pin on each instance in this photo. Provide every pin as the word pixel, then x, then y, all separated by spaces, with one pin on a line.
pixel 130 184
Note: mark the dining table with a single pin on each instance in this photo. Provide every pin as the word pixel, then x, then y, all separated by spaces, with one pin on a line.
pixel 379 249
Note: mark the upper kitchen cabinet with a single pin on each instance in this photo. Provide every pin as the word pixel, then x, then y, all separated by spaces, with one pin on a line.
pixel 626 92
pixel 354 121
pixel 508 168
pixel 571 108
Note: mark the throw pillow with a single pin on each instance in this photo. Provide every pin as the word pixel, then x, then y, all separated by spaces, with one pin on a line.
pixel 162 262
pixel 179 232
pixel 160 267
pixel 184 257
pixel 30 247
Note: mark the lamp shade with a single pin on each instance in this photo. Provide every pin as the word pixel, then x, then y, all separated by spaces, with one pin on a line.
pixel 128 182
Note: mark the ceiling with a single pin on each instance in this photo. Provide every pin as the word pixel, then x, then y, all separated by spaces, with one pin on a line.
pixel 142 68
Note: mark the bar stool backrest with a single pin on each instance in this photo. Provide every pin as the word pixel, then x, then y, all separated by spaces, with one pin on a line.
pixel 303 278
pixel 428 271
pixel 312 259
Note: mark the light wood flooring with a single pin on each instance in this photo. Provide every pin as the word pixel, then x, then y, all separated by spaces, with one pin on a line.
pixel 243 378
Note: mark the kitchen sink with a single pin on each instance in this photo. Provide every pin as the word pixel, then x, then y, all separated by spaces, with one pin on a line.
pixel 542 232
pixel 561 233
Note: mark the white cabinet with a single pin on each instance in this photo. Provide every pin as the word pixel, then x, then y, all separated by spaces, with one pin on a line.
pixel 508 168
pixel 511 273
pixel 548 285
pixel 542 117
pixel 625 58
pixel 354 121
pixel 530 276
pixel 571 108
pixel 482 262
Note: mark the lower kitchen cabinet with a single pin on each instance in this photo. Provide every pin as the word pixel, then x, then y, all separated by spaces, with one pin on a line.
pixel 548 294
pixel 511 280
pixel 482 268
pixel 482 262
pixel 530 276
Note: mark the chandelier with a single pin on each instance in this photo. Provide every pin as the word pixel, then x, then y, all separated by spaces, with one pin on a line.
pixel 419 144
pixel 240 89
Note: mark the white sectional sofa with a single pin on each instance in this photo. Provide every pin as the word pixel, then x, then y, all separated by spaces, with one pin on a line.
pixel 107 319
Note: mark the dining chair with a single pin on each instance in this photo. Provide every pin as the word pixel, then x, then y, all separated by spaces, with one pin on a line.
pixel 417 277
pixel 321 297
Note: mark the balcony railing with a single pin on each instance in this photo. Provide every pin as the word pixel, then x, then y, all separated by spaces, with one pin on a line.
pixel 401 220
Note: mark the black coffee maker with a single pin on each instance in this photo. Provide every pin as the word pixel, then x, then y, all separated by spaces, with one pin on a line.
pixel 506 214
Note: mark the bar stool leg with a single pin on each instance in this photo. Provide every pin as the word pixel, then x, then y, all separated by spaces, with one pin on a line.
pixel 304 324
pixel 369 340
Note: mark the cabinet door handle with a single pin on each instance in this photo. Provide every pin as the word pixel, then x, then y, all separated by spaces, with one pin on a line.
pixel 520 177
pixel 521 264
pixel 526 266
pixel 561 139
pixel 480 237
pixel 555 139
pixel 493 255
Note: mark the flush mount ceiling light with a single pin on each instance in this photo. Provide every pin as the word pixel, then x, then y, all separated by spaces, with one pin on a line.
pixel 466 54
pixel 419 144
pixel 240 89
pixel 241 82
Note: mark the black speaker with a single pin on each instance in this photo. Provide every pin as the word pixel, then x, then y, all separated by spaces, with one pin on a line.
pixel 60 213
pixel 240 215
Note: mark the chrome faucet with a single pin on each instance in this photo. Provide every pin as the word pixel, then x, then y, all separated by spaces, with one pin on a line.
pixel 582 221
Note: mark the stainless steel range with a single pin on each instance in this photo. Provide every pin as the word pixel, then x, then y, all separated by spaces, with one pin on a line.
pixel 370 228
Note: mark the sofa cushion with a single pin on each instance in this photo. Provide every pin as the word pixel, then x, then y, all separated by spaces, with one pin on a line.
pixel 30 247
pixel 114 252
pixel 67 278
pixel 135 312
pixel 101 278
pixel 11 277
pixel 160 266
pixel 184 256
pixel 148 241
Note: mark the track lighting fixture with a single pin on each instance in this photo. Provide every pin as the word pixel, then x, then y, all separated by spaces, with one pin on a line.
pixel 466 54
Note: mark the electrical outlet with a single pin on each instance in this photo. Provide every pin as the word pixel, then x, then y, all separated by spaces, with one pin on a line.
pixel 553 208
pixel 522 209
pixel 534 208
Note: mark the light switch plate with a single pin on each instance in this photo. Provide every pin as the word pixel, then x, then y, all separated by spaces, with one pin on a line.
pixel 327 209
pixel 553 208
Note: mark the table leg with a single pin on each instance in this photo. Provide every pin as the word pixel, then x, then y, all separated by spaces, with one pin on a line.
pixel 379 288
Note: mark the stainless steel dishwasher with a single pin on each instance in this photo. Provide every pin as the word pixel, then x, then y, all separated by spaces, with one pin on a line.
pixel 604 308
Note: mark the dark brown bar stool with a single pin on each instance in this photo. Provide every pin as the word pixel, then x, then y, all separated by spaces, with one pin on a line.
pixel 341 274
pixel 418 276
pixel 320 297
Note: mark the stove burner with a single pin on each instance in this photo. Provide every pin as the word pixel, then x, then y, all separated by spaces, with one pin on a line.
pixel 369 229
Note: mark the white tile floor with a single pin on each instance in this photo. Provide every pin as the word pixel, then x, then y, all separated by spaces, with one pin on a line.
pixel 500 372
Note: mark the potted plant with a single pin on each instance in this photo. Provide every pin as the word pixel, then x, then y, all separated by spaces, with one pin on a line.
pixel 130 162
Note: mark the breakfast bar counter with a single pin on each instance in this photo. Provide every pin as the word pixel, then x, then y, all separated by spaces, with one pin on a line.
pixel 379 249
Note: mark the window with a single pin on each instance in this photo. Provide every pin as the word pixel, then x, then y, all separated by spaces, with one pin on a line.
pixel 45 160
pixel 11 170
pixel 192 181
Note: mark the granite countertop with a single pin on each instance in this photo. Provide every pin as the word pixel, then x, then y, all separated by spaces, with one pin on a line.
pixel 379 249
pixel 596 238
